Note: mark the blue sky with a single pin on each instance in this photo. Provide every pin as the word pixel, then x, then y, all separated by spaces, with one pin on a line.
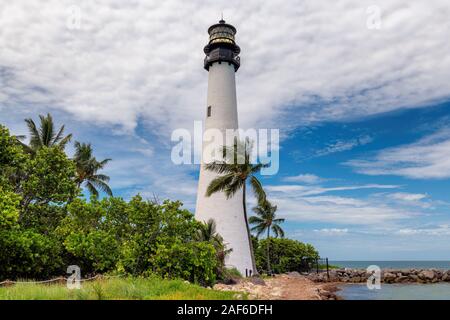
pixel 363 113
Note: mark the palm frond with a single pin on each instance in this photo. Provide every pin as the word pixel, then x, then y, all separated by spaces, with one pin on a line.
pixel 258 189
pixel 91 188
pixel 98 184
pixel 35 138
pixel 46 130
pixel 101 177
pixel 218 167
pixel 59 135
pixel 104 162
pixel 235 185
pixel 219 184
pixel 255 220
pixel 278 231
pixel 279 220
pixel 62 144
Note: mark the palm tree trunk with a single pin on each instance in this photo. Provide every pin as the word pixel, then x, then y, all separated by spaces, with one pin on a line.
pixel 244 204
pixel 269 271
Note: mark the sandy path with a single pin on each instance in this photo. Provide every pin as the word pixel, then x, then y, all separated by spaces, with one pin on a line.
pixel 281 287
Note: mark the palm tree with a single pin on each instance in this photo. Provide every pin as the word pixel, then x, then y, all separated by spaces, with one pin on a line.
pixel 208 233
pixel 46 135
pixel 264 221
pixel 234 171
pixel 87 167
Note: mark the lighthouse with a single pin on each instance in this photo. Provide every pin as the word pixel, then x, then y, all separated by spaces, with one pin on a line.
pixel 222 61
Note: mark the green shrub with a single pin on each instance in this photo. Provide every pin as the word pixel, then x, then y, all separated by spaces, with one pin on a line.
pixel 27 254
pixel 49 178
pixel 193 261
pixel 285 254
pixel 9 209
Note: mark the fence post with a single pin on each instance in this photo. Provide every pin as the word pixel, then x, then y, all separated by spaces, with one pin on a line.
pixel 317 265
pixel 328 273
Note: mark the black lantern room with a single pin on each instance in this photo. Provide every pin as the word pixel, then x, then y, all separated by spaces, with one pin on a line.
pixel 222 46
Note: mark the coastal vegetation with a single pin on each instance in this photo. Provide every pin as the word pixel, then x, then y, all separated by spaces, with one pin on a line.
pixel 48 222
pixel 131 288
pixel 266 221
pixel 286 255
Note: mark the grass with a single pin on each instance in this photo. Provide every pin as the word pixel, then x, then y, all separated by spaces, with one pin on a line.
pixel 151 288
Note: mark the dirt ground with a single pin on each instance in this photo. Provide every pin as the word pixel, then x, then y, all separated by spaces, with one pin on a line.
pixel 283 287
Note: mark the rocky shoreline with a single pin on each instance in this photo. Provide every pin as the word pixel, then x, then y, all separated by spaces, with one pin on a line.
pixel 387 276
pixel 317 286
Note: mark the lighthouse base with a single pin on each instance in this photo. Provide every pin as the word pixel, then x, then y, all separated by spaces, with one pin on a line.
pixel 230 222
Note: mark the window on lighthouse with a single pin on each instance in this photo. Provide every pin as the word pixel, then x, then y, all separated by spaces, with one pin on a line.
pixel 209 111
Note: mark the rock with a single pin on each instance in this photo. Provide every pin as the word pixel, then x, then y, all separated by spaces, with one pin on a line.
pixel 327 295
pixel 427 275
pixel 294 274
pixel 256 281
pixel 231 280
pixel 414 277
pixel 401 279
pixel 389 277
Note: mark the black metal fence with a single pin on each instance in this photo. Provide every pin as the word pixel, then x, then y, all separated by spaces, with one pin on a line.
pixel 309 265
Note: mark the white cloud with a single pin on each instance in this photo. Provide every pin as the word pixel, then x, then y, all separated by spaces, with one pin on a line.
pixel 428 158
pixel 305 178
pixel 407 196
pixel 385 211
pixel 136 63
pixel 343 145
pixel 338 210
pixel 441 230
pixel 331 231
pixel 302 190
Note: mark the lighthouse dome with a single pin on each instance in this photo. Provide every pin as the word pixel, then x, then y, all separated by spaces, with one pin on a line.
pixel 222 46
pixel 221 33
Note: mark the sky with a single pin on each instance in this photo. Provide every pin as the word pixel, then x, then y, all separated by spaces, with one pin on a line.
pixel 360 91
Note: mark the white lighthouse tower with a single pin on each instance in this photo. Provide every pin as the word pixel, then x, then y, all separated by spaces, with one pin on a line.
pixel 222 61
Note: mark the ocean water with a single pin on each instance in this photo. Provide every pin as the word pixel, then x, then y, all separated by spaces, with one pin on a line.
pixel 436 291
pixel 444 265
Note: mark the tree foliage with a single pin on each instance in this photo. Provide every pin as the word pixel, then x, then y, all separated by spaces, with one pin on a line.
pixel 46 224
pixel 45 135
pixel 87 167
pixel 285 254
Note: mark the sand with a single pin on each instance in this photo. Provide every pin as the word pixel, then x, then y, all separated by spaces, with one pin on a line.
pixel 283 287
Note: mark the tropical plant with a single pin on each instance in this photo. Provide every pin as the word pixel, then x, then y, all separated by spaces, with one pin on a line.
pixel 48 178
pixel 286 255
pixel 12 160
pixel 207 232
pixel 46 135
pixel 265 221
pixel 234 171
pixel 87 167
